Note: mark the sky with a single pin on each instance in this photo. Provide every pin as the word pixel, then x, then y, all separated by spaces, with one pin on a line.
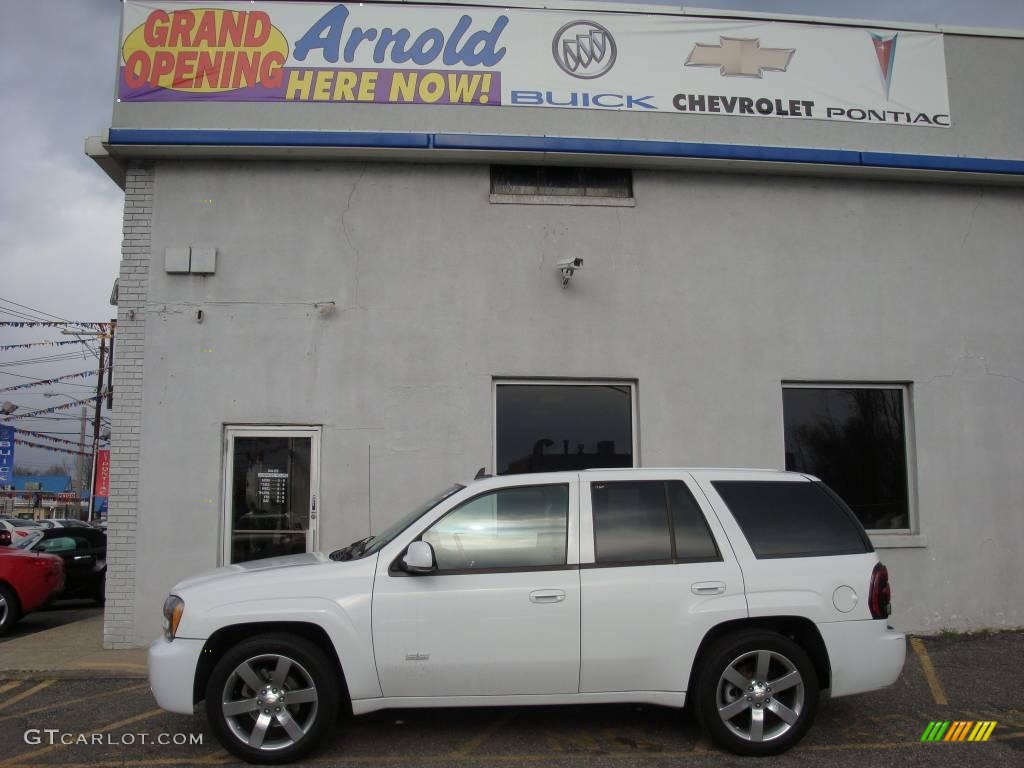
pixel 60 216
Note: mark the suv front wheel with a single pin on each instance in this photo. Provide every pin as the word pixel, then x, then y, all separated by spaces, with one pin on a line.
pixel 272 698
pixel 757 693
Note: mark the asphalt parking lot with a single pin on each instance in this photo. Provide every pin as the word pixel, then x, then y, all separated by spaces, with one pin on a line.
pixel 978 678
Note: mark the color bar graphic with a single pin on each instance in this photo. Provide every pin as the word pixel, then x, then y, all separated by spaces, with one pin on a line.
pixel 958 730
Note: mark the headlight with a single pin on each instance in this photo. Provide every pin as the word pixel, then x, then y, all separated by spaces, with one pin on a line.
pixel 174 606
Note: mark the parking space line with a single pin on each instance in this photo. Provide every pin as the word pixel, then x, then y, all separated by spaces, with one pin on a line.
pixel 505 758
pixel 9 686
pixel 70 702
pixel 929 671
pixel 20 759
pixel 25 694
pixel 484 735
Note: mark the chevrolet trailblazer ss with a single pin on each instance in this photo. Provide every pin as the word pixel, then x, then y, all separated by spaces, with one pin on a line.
pixel 746 594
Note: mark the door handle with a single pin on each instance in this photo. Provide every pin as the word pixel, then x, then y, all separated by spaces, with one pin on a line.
pixel 547 596
pixel 708 587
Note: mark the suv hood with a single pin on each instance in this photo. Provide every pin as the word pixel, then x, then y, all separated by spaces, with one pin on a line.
pixel 267 564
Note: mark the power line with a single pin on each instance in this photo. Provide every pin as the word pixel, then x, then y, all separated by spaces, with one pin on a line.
pixel 37 311
pixel 55 380
pixel 17 314
pixel 43 359
pixel 33 378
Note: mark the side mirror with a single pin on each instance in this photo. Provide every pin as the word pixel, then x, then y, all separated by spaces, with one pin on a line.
pixel 419 558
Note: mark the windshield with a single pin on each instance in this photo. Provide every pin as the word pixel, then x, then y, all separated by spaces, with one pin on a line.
pixel 27 541
pixel 385 537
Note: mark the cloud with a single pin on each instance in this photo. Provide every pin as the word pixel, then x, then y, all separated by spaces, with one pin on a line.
pixel 60 216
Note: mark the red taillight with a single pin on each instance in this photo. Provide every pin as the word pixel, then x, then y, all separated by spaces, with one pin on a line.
pixel 880 596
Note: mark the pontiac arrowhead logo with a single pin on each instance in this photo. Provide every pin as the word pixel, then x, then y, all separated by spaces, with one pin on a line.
pixel 740 57
pixel 885 50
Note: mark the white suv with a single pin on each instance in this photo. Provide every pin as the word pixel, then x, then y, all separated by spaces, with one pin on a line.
pixel 747 594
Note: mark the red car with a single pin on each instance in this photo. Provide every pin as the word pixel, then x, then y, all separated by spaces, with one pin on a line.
pixel 27 581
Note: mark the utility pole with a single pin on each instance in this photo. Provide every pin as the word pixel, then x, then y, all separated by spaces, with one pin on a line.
pixel 110 366
pixel 96 426
pixel 81 459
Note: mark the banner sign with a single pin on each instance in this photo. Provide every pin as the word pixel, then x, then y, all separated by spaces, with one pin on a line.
pixel 6 455
pixel 103 472
pixel 382 53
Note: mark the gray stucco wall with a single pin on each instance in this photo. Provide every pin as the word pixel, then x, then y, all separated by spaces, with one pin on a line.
pixel 710 292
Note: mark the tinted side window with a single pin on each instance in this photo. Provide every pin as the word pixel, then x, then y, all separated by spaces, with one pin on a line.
pixel 519 527
pixel 798 519
pixel 630 522
pixel 694 542
pixel 57 544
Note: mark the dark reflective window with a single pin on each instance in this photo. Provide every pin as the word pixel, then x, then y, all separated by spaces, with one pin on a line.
pixel 556 180
pixel 270 497
pixel 522 527
pixel 693 538
pixel 854 439
pixel 552 427
pixel 798 519
pixel 630 522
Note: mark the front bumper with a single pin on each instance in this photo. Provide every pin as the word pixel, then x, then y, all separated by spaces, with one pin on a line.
pixel 864 655
pixel 172 672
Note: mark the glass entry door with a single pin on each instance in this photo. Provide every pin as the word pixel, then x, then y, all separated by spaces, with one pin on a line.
pixel 271 487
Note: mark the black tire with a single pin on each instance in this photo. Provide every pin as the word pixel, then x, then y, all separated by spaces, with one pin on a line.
pixel 10 609
pixel 743 651
pixel 310 668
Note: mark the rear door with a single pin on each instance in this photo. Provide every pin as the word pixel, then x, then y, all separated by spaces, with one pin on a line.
pixel 656 572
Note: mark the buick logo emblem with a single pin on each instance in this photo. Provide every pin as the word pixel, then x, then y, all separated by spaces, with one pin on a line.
pixel 584 49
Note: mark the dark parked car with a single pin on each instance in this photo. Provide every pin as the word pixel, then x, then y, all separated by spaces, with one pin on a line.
pixel 84 552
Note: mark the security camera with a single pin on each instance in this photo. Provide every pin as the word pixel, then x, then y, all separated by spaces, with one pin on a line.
pixel 568 267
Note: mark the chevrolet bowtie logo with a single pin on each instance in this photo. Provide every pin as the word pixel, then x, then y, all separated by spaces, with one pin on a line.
pixel 739 57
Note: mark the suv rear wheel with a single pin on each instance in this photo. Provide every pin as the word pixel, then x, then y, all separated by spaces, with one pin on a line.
pixel 272 698
pixel 757 693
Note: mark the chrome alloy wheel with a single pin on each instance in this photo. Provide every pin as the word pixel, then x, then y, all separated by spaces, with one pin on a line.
pixel 5 609
pixel 760 695
pixel 269 702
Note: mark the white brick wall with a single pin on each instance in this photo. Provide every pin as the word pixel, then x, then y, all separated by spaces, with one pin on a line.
pixel 118 623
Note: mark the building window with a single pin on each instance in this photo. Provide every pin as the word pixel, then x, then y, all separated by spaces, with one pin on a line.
pixel 855 438
pixel 561 185
pixel 545 426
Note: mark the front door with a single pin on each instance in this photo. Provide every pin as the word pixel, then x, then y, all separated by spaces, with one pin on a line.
pixel 500 615
pixel 270 492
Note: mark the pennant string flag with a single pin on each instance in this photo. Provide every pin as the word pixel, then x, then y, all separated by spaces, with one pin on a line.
pixel 62 407
pixel 5 347
pixel 46 382
pixel 49 324
pixel 31 444
pixel 44 436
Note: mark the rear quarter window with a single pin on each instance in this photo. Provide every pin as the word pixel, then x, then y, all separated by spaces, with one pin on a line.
pixel 792 519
